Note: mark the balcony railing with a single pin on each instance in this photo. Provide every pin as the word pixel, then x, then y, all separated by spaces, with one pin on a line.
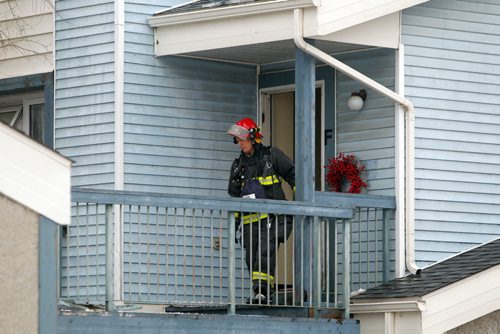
pixel 130 248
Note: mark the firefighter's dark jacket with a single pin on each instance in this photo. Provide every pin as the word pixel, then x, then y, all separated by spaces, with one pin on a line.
pixel 268 165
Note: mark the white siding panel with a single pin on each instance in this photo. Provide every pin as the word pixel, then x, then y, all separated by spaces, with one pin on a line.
pixel 84 99
pixel 26 65
pixel 369 133
pixel 26 32
pixel 452 67
pixel 341 14
pixel 36 24
pixel 37 43
pixel 23 9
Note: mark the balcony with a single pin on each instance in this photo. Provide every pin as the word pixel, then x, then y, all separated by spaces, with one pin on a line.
pixel 148 252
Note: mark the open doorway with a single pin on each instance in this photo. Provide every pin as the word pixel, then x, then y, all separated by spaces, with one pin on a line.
pixel 278 127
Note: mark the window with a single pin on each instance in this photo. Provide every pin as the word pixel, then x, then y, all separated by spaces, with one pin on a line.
pixel 24 112
pixel 34 124
pixel 10 116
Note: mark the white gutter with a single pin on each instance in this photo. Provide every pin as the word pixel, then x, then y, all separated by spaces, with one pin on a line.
pixel 391 306
pixel 224 12
pixel 409 192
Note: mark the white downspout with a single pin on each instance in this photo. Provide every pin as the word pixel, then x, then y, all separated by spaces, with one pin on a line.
pixel 409 124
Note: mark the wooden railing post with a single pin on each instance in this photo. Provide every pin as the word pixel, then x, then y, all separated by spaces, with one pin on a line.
pixel 317 266
pixel 232 253
pixel 109 258
pixel 386 242
pixel 347 267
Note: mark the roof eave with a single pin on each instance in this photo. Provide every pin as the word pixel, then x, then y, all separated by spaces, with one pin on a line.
pixel 35 176
pixel 229 12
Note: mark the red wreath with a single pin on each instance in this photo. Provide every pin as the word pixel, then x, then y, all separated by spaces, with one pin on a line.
pixel 346 174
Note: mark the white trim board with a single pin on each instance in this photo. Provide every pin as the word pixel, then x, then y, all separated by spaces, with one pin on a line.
pixel 35 176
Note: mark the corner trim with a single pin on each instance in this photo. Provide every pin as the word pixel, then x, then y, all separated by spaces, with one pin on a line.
pixel 119 92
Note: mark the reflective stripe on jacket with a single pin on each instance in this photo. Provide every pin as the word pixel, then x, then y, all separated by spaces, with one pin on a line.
pixel 267 165
pixel 259 276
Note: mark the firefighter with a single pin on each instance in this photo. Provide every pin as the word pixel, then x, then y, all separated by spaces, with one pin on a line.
pixel 258 173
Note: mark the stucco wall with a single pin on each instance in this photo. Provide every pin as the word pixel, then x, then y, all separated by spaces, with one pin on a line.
pixel 489 324
pixel 18 268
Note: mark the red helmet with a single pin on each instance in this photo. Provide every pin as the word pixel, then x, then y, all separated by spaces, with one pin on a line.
pixel 245 129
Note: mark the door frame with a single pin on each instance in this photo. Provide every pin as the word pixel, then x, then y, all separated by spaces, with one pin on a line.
pixel 264 104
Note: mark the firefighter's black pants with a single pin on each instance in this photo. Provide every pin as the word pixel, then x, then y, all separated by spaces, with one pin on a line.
pixel 260 240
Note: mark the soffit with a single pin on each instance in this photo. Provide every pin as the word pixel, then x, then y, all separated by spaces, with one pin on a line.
pixel 268 53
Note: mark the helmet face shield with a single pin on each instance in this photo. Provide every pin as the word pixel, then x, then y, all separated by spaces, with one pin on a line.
pixel 238 131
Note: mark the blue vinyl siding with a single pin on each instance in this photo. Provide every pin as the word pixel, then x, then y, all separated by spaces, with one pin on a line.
pixel 84 90
pixel 452 67
pixel 369 133
pixel 177 111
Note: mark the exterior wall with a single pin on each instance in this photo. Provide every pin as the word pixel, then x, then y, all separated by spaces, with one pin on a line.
pixel 26 37
pixel 84 90
pixel 489 324
pixel 19 268
pixel 381 32
pixel 369 133
pixel 402 322
pixel 452 64
pixel 176 115
pixel 177 112
pixel 337 15
pixel 371 323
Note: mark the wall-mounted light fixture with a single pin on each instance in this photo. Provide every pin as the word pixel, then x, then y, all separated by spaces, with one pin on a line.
pixel 357 99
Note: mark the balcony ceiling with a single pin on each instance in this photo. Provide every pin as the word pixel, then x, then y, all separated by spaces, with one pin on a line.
pixel 268 53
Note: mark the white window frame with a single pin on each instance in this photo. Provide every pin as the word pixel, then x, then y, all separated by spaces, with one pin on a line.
pixel 16 109
pixel 21 103
pixel 27 103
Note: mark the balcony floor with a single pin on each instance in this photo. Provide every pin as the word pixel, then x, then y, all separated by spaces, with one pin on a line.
pixel 186 323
